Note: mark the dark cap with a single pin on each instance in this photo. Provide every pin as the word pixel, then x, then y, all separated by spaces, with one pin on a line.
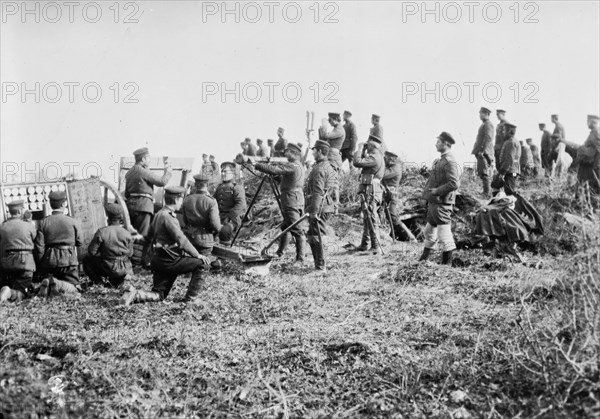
pixel 541 124
pixel 485 110
pixel 500 111
pixel 248 139
pixel 554 115
pixel 141 151
pixel 174 190
pixel 593 117
pixel 444 136
pixel 294 147
pixel 390 154
pixel 228 165
pixel 375 116
pixel 201 178
pixel 333 115
pixel 509 125
pixel 375 139
pixel 113 211
pixel 15 204
pixel 205 155
pixel 259 141
pixel 57 196
pixel 348 113
pixel 528 139
pixel 211 156
pixel 270 141
pixel 323 145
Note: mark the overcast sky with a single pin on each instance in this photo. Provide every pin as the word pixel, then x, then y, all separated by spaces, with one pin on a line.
pixel 367 57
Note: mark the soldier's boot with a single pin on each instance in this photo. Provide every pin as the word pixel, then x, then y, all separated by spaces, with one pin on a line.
pixel 318 254
pixel 447 258
pixel 194 288
pixel 486 187
pixel 425 254
pixel 59 287
pixel 44 288
pixel 300 247
pixel 283 243
pixel 5 294
pixel 375 247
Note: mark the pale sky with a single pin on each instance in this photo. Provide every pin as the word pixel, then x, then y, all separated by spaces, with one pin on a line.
pixel 173 52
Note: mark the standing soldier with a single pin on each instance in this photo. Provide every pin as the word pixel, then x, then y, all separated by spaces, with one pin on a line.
pixel 231 199
pixel 319 205
pixel 558 127
pixel 368 157
pixel 16 254
pixel 174 255
pixel 281 144
pixel 510 156
pixel 270 146
pixel 501 115
pixel 537 160
pixel 205 164
pixel 350 138
pixel 335 139
pixel 546 145
pixel 261 150
pixel 108 259
pixel 214 166
pixel 139 190
pixel 440 193
pixel 483 150
pixel 56 243
pixel 292 197
pixel 377 131
pixel 526 160
pixel 588 156
pixel 391 184
pixel 250 148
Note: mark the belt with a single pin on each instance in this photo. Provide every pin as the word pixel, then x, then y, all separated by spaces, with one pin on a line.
pixel 141 195
pixel 165 246
pixel 19 251
pixel 60 246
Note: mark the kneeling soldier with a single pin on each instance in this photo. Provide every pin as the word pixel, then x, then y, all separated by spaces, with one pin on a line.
pixel 440 193
pixel 56 245
pixel 174 255
pixel 231 198
pixel 319 204
pixel 108 259
pixel 16 255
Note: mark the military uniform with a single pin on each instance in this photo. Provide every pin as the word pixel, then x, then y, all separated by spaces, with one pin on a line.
pixel 372 170
pixel 559 129
pixel 391 185
pixel 547 151
pixel 263 150
pixel 335 139
pixel 349 144
pixel 440 194
pixel 509 167
pixel 537 160
pixel 139 193
pixel 483 150
pixel 201 219
pixel 16 255
pixel 320 181
pixel 231 200
pixel 588 159
pixel 279 148
pixel 526 161
pixel 499 140
pixel 250 149
pixel 109 253
pixel 292 200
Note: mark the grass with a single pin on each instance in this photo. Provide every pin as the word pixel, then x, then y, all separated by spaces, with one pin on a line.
pixel 376 336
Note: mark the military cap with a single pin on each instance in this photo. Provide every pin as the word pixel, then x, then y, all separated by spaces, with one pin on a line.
pixel 228 165
pixel 141 151
pixel 333 115
pixel 375 116
pixel 375 139
pixel 594 117
pixel 174 190
pixel 259 141
pixel 554 115
pixel 280 129
pixel 528 139
pixel 270 141
pixel 323 145
pixel 541 124
pixel 205 155
pixel 113 210
pixel 248 139
pixel 444 136
pixel 348 113
pixel 15 204
pixel 294 147
pixel 57 196
pixel 500 111
pixel 201 177
pixel 485 110
pixel 509 125
pixel 390 154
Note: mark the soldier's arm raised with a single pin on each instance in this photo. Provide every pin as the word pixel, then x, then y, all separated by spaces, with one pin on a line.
pixel 155 179
pixel 272 169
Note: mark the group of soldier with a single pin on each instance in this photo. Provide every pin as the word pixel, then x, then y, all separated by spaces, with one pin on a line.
pixel 501 152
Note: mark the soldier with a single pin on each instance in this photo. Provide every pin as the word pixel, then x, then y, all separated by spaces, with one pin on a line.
pixel 319 204
pixel 537 159
pixel 262 149
pixel 369 158
pixel 391 184
pixel 108 259
pixel 440 193
pixel 201 216
pixel 349 145
pixel 588 156
pixel 271 148
pixel 56 243
pixel 17 265
pixel 483 150
pixel 499 140
pixel 281 144
pixel 174 255
pixel 205 164
pixel 377 131
pixel 250 148
pixel 139 190
pixel 292 197
pixel 214 166
pixel 558 127
pixel 546 144
pixel 526 160
pixel 231 200
pixel 335 139
pixel 510 156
